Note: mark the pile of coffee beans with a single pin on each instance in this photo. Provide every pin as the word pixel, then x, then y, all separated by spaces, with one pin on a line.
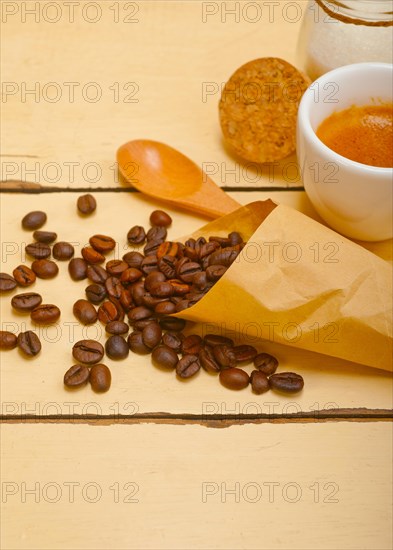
pixel 139 293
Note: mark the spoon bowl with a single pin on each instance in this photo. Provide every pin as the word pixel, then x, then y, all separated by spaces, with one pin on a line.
pixel 164 173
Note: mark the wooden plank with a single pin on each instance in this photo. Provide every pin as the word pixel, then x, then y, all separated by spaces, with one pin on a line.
pixel 35 387
pixel 176 487
pixel 97 85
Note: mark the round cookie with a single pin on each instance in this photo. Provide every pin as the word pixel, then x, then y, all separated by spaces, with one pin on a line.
pixel 258 109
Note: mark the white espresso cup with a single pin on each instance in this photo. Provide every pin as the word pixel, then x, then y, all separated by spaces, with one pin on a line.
pixel 353 198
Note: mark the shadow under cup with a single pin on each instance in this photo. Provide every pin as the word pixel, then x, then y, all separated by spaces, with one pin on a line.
pixel 353 198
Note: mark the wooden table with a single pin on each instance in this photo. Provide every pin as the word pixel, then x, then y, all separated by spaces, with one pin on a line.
pixel 146 465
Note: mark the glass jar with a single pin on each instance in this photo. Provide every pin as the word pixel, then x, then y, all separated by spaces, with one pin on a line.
pixel 341 32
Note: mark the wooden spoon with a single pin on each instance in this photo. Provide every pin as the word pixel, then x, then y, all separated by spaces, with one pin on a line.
pixel 166 174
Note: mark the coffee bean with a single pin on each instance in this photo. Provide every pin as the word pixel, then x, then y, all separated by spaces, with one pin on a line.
pixel 138 313
pixel 45 269
pixel 116 267
pixel 188 366
pixel 191 345
pixel 7 283
pixel 216 339
pixel 222 241
pixel 266 363
pixel 97 274
pixel 135 343
pixel 77 269
pixel 165 308
pixel 116 347
pixel 137 292
pixel 234 379
pixel 259 382
pixel 23 275
pixel 235 238
pixel 173 340
pixel 117 327
pixel 136 235
pixel 167 265
pixel 39 251
pixel 187 271
pixel 63 251
pixel 160 218
pixel 151 335
pixel 102 243
pixel 95 293
pixel 45 314
pixel 153 278
pixel 151 248
pixel 181 305
pixel 164 357
pixel 207 360
pixel 245 353
pixel 76 376
pixel 46 237
pixel 29 343
pixel 108 312
pixel 92 256
pixel 34 220
pixel 130 275
pixel 100 378
pixel 224 256
pixel 126 300
pixel 200 280
pixel 85 312
pixel 86 204
pixel 113 287
pixel 119 309
pixel 215 272
pixel 225 356
pixel 149 264
pixel 88 351
pixel 133 259
pixel 26 302
pixel 168 248
pixel 8 340
pixel 157 233
pixel 162 290
pixel 286 382
pixel 172 323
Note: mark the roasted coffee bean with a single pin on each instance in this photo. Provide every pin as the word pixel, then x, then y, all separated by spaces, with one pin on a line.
pixel 160 218
pixel 100 378
pixel 39 251
pixel 95 293
pixel 85 312
pixel 137 292
pixel 63 251
pixel 77 268
pixel 143 323
pixel 191 253
pixel 46 237
pixel 165 308
pixel 179 288
pixel 172 323
pixel 97 274
pixel 149 264
pixel 167 265
pixel 113 287
pixel 119 309
pixel 8 340
pixel 235 238
pixel 286 382
pixel 45 269
pixel 130 275
pixel 29 343
pixel 88 351
pixel 222 241
pixel 117 327
pixel 245 353
pixel 45 314
pixel 188 366
pixel 136 235
pixel 162 290
pixel 126 300
pixel 133 259
pixel 135 343
pixel 200 280
pixel 167 248
pixel 259 382
pixel 76 376
pixel 187 271
pixel 234 379
pixel 153 278
pixel 151 248
pixel 138 313
pixel 26 302
pixel 102 243
pixel 164 357
pixel 23 275
pixel 92 256
pixel 86 204
pixel 116 267
pixel 108 312
pixel 182 305
pixel 116 347
pixel 224 257
pixel 225 356
pixel 173 340
pixel 216 339
pixel 151 301
pixel 34 220
pixel 190 243
pixel 191 345
pixel 7 283
pixel 207 360
pixel 215 272
pixel 151 335
pixel 157 233
pixel 206 249
pixel 266 363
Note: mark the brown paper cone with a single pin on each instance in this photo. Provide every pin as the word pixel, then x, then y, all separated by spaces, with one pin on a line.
pixel 301 284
